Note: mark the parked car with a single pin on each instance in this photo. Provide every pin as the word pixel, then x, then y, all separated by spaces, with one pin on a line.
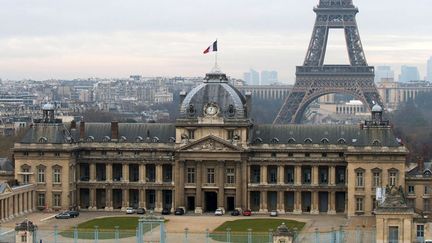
pixel 140 211
pixel 273 213
pixel 165 211
pixel 235 212
pixel 247 212
pixel 219 212
pixel 130 210
pixel 63 216
pixel 179 211
pixel 73 213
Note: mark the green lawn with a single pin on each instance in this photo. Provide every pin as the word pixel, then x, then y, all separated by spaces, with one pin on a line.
pixel 260 229
pixel 258 225
pixel 127 228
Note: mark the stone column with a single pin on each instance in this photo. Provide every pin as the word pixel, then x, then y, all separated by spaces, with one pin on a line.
pixel 109 202
pixel 281 201
pixel 332 172
pixel 297 172
pixel 221 185
pixel 142 173
pixel 244 185
pixel 179 178
pixel 158 201
pixel 281 176
pixel 198 192
pixel 1 210
pixel 24 203
pixel 125 199
pixel 238 183
pixel 315 179
pixel 264 174
pixel 92 198
pixel 109 172
pixel 263 206
pixel 297 202
pixel 125 172
pixel 314 206
pixel 332 204
pixel 159 178
pixel 142 198
pixel 92 172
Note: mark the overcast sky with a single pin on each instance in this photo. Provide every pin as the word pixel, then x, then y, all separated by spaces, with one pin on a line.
pixel 42 39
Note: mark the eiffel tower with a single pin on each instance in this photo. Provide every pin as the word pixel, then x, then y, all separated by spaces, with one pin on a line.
pixel 314 79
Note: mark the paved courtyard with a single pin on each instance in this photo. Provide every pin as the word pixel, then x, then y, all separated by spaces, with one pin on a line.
pixel 176 225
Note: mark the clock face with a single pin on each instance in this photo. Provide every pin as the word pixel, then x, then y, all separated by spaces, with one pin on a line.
pixel 211 110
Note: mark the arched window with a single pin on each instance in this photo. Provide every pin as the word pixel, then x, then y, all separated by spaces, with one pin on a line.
pixel 43 140
pixel 90 139
pixel 123 139
pixel 258 140
pixel 341 141
pixel 106 139
pixel 291 140
pixel 139 139
pixel 325 141
pixel 275 140
pixel 155 140
pixel 308 141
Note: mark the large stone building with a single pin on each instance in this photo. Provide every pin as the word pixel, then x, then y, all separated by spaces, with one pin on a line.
pixel 214 156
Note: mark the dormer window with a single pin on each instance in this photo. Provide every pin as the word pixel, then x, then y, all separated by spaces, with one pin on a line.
pixel 275 140
pixel 155 140
pixel 43 140
pixel 139 139
pixel 325 141
pixel 106 139
pixel 258 140
pixel 123 139
pixel 291 140
pixel 341 141
pixel 376 143
pixel 308 141
pixel 90 139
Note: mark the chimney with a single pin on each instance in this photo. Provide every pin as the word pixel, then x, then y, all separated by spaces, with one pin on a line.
pixel 248 104
pixel 420 165
pixel 82 130
pixel 73 125
pixel 114 130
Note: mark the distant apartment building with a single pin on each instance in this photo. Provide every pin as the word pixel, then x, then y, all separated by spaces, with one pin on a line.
pixel 383 72
pixel 252 77
pixel 409 73
pixel 429 70
pixel 269 77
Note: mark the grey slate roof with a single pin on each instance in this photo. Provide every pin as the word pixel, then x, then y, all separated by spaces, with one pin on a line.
pixel 133 132
pixel 417 172
pixel 53 133
pixel 6 165
pixel 318 134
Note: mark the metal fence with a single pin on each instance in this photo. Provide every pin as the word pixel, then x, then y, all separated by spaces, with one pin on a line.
pixel 157 234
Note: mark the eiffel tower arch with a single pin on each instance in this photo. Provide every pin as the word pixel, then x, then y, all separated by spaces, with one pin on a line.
pixel 314 79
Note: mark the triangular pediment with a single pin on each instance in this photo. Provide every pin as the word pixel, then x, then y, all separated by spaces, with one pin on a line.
pixel 5 188
pixel 210 144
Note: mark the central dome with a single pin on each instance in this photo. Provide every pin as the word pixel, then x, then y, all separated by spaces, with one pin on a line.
pixel 215 91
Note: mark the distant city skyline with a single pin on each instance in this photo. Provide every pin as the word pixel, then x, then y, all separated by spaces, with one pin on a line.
pixel 80 39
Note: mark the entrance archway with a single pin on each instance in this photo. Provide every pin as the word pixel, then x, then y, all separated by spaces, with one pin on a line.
pixel 210 201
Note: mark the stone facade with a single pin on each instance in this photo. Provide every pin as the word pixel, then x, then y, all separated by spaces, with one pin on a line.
pixel 214 156
pixel 16 201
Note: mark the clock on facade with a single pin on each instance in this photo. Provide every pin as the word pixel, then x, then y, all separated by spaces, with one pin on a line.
pixel 211 109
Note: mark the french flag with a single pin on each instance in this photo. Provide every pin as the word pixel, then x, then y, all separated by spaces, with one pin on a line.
pixel 211 48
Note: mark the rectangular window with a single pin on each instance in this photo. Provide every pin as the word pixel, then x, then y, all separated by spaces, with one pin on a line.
pixel 57 154
pixel 393 178
pixel 420 231
pixel 426 191
pixel 393 234
pixel 255 174
pixel 41 175
pixel 272 175
pixel 57 200
pixel 25 153
pixel 323 175
pixel 359 179
pixel 289 175
pixel 426 204
pixel 359 204
pixel 26 177
pixel 211 175
pixel 167 173
pixel 230 176
pixel 306 175
pixel 376 179
pixel 151 173
pixel 41 200
pixel 57 175
pixel 191 134
pixel 411 189
pixel 230 134
pixel 190 175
